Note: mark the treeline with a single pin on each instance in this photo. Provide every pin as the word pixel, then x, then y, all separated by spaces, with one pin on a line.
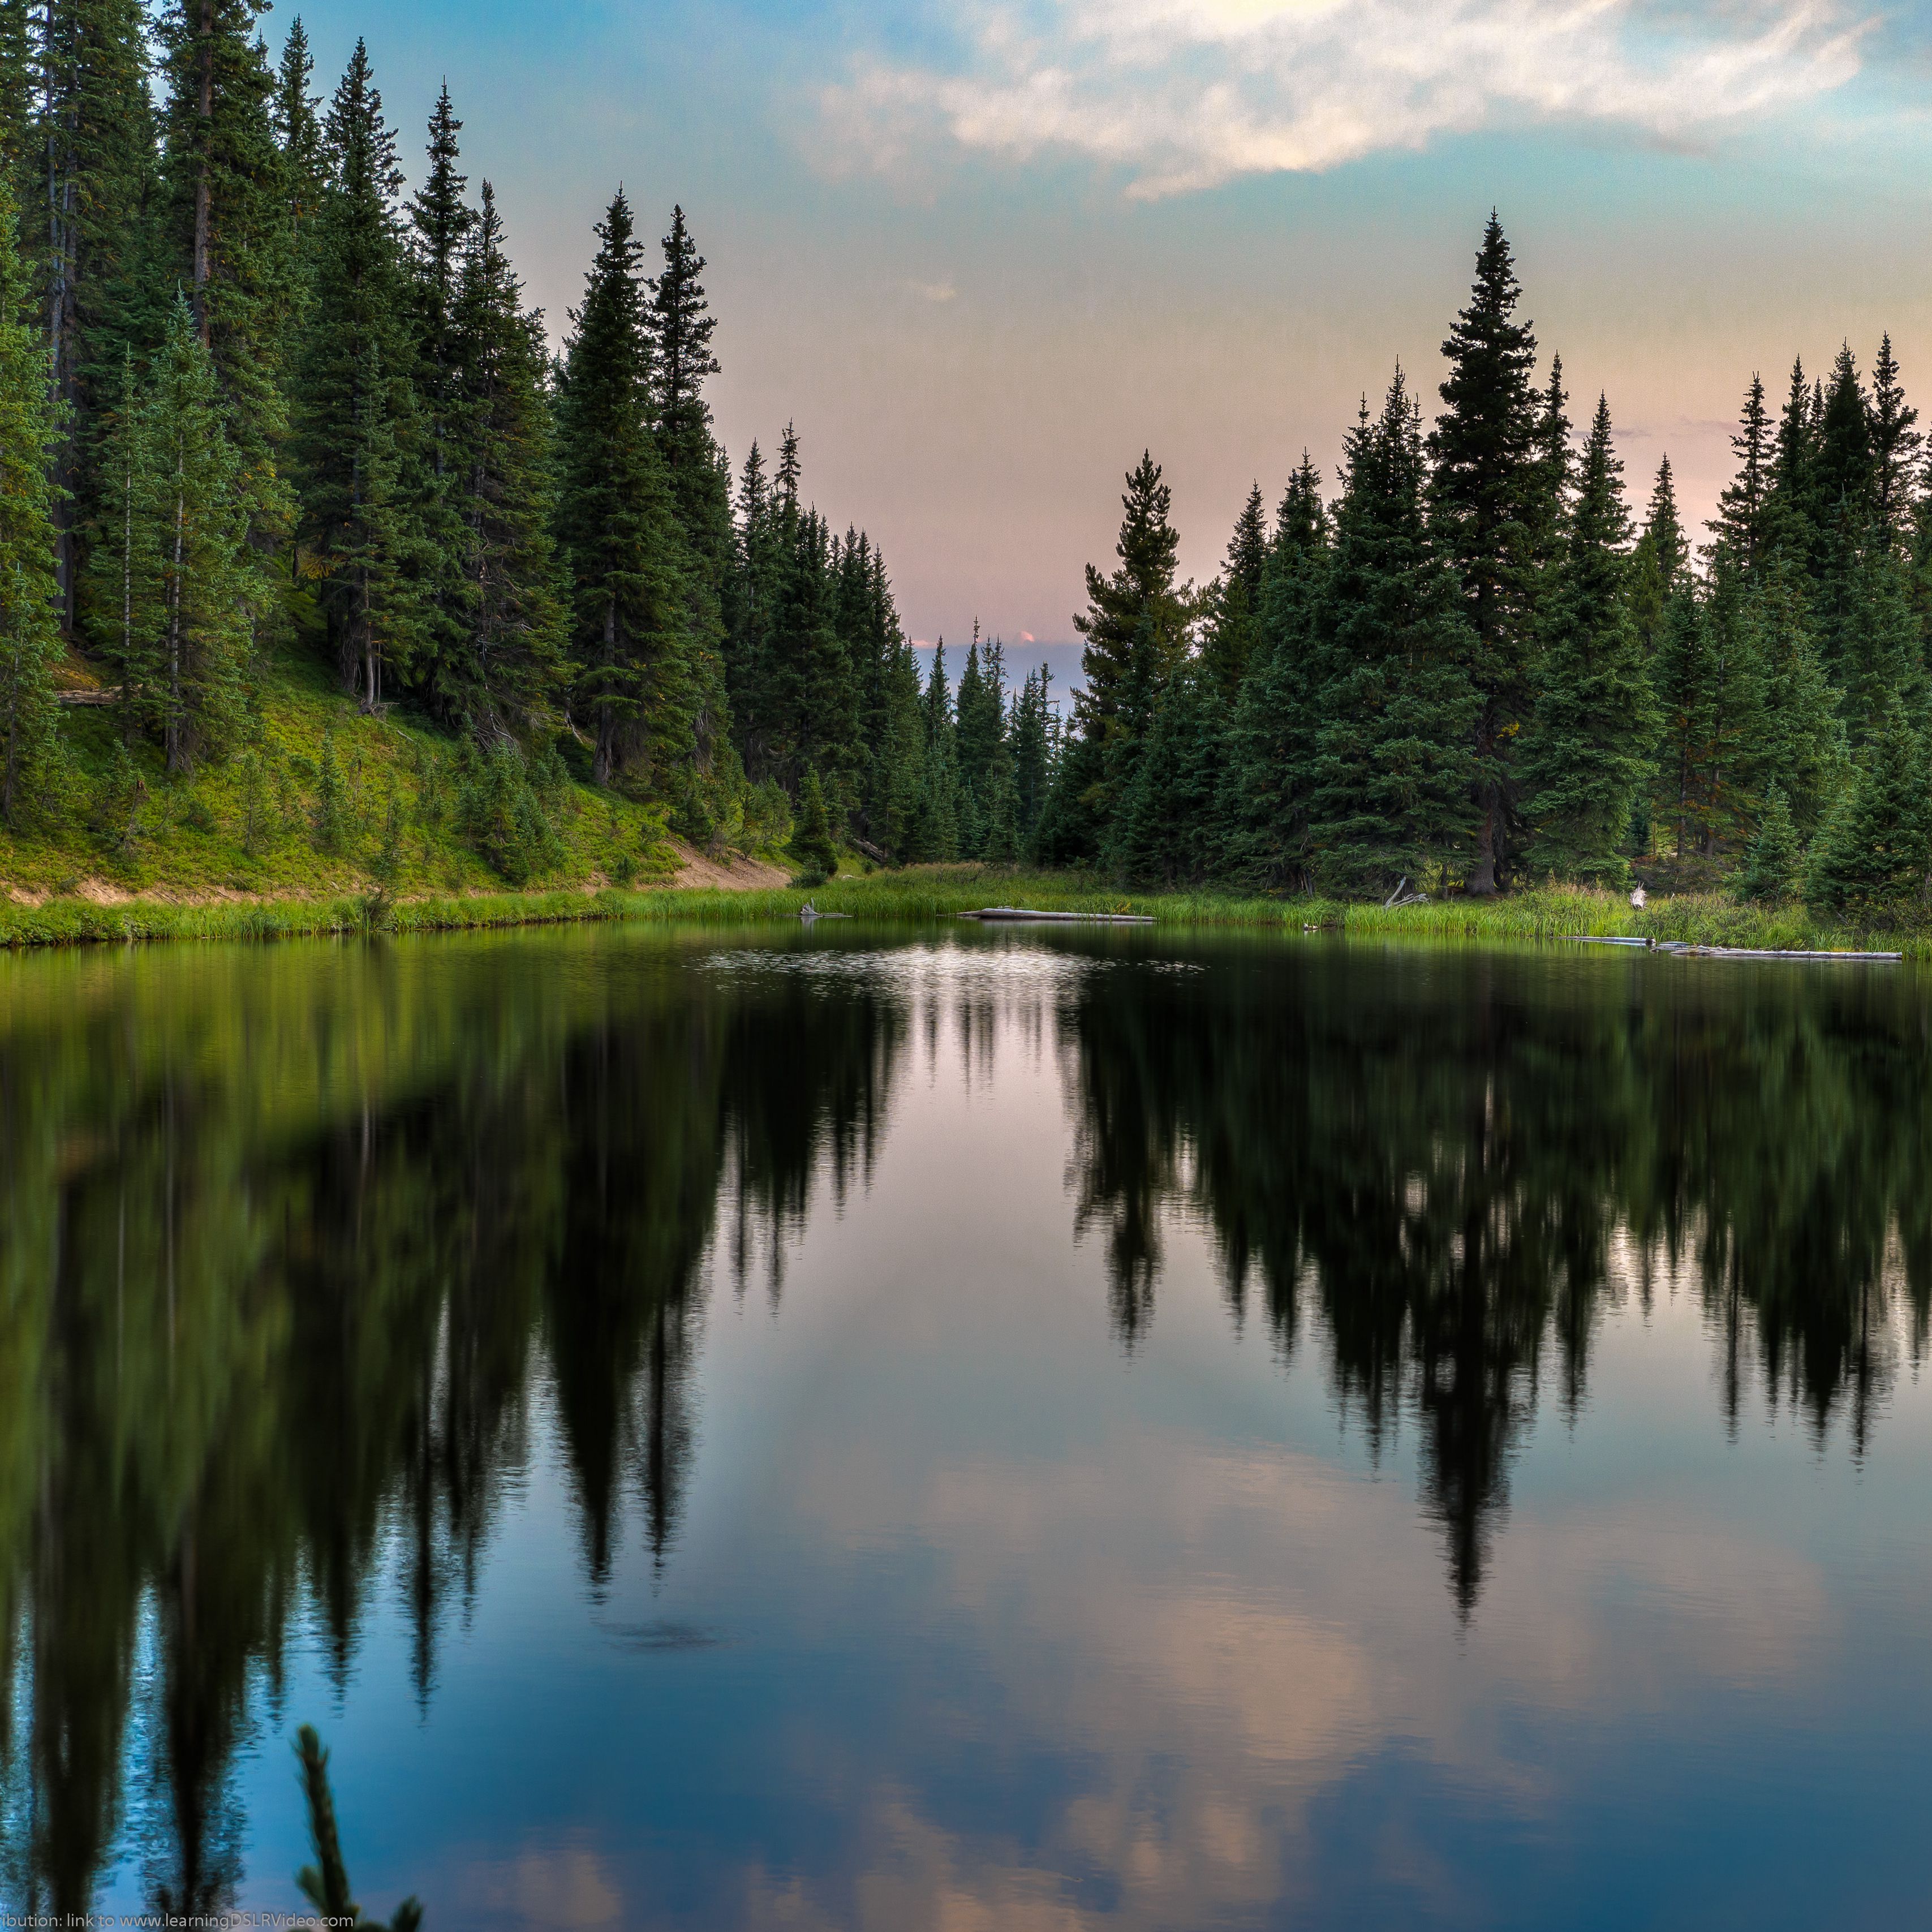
pixel 1477 670
pixel 253 397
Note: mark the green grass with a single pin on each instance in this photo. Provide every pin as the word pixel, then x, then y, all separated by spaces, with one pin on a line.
pixel 923 894
pixel 187 833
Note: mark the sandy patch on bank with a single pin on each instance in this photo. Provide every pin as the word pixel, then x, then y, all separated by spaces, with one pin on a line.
pixel 735 873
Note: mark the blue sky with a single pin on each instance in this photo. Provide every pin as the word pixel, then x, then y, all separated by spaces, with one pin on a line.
pixel 982 254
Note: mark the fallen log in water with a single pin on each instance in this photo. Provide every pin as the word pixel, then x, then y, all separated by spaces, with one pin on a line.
pixel 1027 914
pixel 1687 949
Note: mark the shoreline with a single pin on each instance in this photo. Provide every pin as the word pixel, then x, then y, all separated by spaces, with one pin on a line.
pixel 920 895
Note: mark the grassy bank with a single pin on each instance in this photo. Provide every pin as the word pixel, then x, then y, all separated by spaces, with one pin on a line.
pixel 922 894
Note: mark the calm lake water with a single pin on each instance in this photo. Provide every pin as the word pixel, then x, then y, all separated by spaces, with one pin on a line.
pixel 962 1430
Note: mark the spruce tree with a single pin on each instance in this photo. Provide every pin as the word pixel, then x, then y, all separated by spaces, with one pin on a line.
pixel 1271 731
pixel 935 830
pixel 1871 859
pixel 1740 524
pixel 812 844
pixel 1167 830
pixel 355 441
pixel 1709 677
pixel 1487 495
pixel 86 231
pixel 195 591
pixel 30 643
pixel 1662 555
pixel 1135 626
pixel 508 670
pixel 440 221
pixel 1789 525
pixel 1774 862
pixel 1234 602
pixel 1031 733
pixel 682 326
pixel 227 218
pixel 1393 789
pixel 630 621
pixel 1895 445
pixel 1586 755
pixel 303 173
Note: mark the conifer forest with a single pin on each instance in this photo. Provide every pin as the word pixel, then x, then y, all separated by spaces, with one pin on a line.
pixel 273 405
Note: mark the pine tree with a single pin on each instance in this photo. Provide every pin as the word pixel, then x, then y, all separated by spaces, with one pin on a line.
pixel 1234 602
pixel 982 740
pixel 228 225
pixel 1789 524
pixel 1709 677
pixel 1586 756
pixel 812 845
pixel 1271 732
pixel 509 671
pixel 30 644
pixel 1740 525
pixel 1032 733
pixel 1168 818
pixel 1487 494
pixel 630 631
pixel 682 326
pixel 1393 791
pixel 1773 866
pixel 87 232
pixel 189 507
pixel 1136 626
pixel 304 162
pixel 440 222
pixel 355 441
pixel 1871 859
pixel 935 832
pixel 1800 743
pixel 1657 570
pixel 1895 445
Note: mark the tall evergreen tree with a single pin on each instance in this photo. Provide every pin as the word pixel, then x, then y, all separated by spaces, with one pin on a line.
pixel 1657 569
pixel 1393 791
pixel 93 135
pixel 30 644
pixel 1272 731
pixel 355 425
pixel 188 584
pixel 1740 524
pixel 510 669
pixel 630 632
pixel 1485 494
pixel 228 223
pixel 1873 854
pixel 1895 445
pixel 1587 753
pixel 303 173
pixel 1135 627
pixel 935 832
pixel 682 327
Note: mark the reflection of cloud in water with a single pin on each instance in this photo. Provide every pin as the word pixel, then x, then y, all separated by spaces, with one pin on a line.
pixel 566 1887
pixel 1223 1641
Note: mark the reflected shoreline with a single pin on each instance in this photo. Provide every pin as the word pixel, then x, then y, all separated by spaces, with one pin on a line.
pixel 290 1238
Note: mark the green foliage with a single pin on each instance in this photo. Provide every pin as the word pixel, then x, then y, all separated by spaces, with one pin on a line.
pixel 326 1883
pixel 29 639
pixel 1873 854
pixel 331 805
pixel 1393 776
pixel 1774 864
pixel 498 809
pixel 812 845
pixel 1586 754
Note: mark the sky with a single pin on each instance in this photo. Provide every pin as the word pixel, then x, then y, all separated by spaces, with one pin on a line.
pixel 982 254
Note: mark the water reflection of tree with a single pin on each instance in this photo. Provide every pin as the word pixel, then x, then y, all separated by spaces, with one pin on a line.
pixel 284 1246
pixel 1460 1158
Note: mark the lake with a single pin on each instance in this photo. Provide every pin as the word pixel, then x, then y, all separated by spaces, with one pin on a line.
pixel 951 1428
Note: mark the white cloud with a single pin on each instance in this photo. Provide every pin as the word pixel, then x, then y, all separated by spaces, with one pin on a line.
pixel 933 291
pixel 1184 95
